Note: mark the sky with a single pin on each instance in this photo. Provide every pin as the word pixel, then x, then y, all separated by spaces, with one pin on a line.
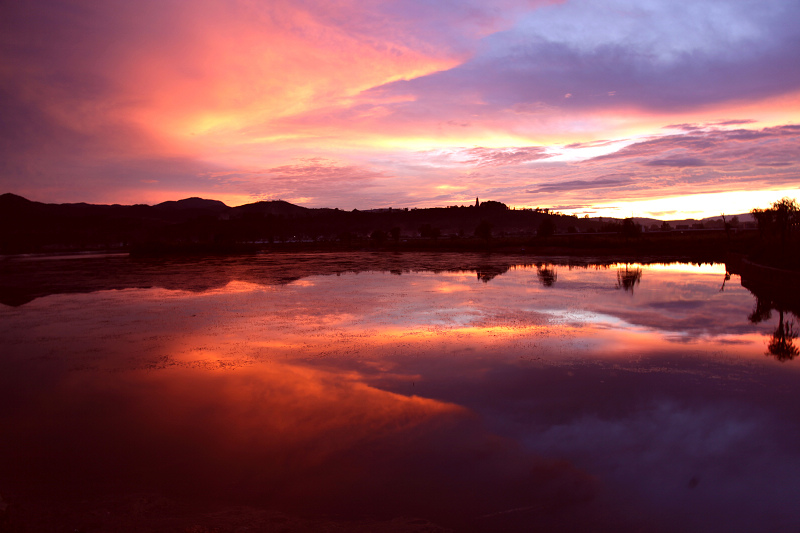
pixel 650 108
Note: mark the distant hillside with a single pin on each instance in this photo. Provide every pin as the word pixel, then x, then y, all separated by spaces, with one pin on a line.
pixel 273 207
pixel 35 226
pixel 12 201
pixel 194 203
pixel 743 217
pixel 197 224
pixel 690 222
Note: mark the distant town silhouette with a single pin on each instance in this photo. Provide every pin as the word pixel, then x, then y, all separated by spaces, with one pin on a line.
pixel 199 226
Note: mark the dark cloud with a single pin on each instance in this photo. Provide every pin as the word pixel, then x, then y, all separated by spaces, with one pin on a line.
pixel 678 162
pixel 703 161
pixel 701 148
pixel 733 122
pixel 577 185
pixel 685 127
pixel 788 129
pixel 565 207
pixel 775 164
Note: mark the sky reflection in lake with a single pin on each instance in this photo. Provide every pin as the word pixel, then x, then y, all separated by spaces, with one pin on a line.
pixel 509 397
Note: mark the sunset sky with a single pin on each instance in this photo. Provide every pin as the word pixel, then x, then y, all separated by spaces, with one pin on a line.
pixel 652 108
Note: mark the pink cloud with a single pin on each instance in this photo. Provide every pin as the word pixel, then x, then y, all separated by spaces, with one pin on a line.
pixel 491 157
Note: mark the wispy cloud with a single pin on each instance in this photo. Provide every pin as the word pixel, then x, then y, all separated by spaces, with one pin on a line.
pixel 581 185
pixel 492 157
pixel 323 170
pixel 678 162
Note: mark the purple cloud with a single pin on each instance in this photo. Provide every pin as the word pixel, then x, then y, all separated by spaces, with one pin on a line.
pixel 699 147
pixel 580 185
pixel 604 60
pixel 678 162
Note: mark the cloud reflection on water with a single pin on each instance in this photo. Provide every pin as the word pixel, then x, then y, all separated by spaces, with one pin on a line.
pixel 488 405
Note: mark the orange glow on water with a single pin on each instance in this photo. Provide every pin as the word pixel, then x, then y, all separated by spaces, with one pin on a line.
pixel 374 394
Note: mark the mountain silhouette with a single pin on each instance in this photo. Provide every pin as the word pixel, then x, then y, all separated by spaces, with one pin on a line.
pixel 199 225
pixel 194 203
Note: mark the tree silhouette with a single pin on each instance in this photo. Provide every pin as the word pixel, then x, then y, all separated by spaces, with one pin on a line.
pixel 547 275
pixel 630 228
pixel 726 279
pixel 727 226
pixel 787 215
pixel 781 218
pixel 782 344
pixel 627 279
pixel 488 273
pixel 761 312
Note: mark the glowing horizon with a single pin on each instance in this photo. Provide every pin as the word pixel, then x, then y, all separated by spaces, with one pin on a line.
pixel 611 109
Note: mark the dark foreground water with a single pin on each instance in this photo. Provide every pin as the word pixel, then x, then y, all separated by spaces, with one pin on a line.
pixel 393 393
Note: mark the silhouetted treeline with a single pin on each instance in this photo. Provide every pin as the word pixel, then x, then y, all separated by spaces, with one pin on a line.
pixel 33 226
pixel 195 225
pixel 779 232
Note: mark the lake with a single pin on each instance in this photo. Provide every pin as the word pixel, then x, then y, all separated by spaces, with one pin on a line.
pixel 381 392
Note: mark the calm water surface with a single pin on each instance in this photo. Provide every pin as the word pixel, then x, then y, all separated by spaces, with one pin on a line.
pixel 412 393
